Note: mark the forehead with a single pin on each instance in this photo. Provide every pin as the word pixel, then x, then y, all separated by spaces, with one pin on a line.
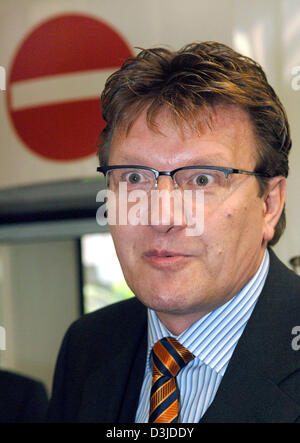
pixel 224 135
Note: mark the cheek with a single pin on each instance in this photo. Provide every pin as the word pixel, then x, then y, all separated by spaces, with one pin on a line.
pixel 126 240
pixel 244 221
pixel 231 222
pixel 122 238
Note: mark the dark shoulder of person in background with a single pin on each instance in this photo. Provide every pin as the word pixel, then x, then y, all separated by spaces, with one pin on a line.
pixel 22 399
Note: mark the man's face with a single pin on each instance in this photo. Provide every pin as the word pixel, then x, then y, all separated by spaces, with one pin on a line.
pixel 207 270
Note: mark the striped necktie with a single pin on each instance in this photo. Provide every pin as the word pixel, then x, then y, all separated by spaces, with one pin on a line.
pixel 168 357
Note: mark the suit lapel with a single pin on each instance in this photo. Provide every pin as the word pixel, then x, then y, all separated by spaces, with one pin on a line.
pixel 249 391
pixel 247 395
pixel 111 392
pixel 134 384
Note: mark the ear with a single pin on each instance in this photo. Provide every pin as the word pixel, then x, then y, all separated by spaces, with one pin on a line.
pixel 274 199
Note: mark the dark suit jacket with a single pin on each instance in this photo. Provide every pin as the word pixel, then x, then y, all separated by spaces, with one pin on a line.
pixel 22 399
pixel 101 363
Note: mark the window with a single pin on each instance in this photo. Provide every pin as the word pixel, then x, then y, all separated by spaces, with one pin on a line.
pixel 103 282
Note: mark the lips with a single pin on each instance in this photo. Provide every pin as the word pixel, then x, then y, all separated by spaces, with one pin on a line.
pixel 163 253
pixel 164 258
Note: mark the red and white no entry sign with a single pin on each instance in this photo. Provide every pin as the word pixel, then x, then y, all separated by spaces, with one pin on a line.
pixel 55 81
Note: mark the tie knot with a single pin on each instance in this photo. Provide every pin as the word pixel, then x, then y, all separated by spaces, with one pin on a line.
pixel 169 357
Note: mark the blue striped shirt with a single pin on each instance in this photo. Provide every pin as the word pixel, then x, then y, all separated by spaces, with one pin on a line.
pixel 212 340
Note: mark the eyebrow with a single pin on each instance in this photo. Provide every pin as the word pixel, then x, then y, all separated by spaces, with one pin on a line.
pixel 215 161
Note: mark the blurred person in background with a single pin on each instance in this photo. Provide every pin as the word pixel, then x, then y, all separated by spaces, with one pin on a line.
pixel 22 399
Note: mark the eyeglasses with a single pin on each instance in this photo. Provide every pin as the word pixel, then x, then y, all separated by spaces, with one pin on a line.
pixel 209 178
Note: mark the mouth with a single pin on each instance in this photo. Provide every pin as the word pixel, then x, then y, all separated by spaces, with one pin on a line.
pixel 165 258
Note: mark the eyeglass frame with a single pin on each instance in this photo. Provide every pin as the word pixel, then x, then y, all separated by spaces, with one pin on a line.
pixel 226 170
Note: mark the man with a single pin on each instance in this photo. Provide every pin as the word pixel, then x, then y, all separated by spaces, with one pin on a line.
pixel 219 304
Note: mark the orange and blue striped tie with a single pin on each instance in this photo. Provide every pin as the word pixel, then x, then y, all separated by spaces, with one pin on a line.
pixel 168 357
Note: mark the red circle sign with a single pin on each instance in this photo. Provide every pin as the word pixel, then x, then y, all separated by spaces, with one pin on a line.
pixel 55 81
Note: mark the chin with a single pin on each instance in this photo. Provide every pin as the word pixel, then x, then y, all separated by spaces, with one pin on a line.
pixel 169 303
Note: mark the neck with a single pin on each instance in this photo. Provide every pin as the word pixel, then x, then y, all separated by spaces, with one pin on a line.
pixel 177 324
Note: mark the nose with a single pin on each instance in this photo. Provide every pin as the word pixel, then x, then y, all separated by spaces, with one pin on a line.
pixel 166 208
pixel 165 181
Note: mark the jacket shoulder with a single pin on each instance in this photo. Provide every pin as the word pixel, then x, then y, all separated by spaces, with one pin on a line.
pixel 269 331
pixel 107 330
pixel 120 315
pixel 90 346
pixel 283 284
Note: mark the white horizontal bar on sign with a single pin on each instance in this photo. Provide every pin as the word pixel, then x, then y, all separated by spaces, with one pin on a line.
pixel 58 88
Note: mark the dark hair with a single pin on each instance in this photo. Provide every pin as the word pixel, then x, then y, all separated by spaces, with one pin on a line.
pixel 196 78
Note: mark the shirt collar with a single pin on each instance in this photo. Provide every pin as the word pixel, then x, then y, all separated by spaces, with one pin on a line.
pixel 213 337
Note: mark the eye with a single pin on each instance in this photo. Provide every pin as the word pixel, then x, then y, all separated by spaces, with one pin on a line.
pixel 134 177
pixel 203 180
